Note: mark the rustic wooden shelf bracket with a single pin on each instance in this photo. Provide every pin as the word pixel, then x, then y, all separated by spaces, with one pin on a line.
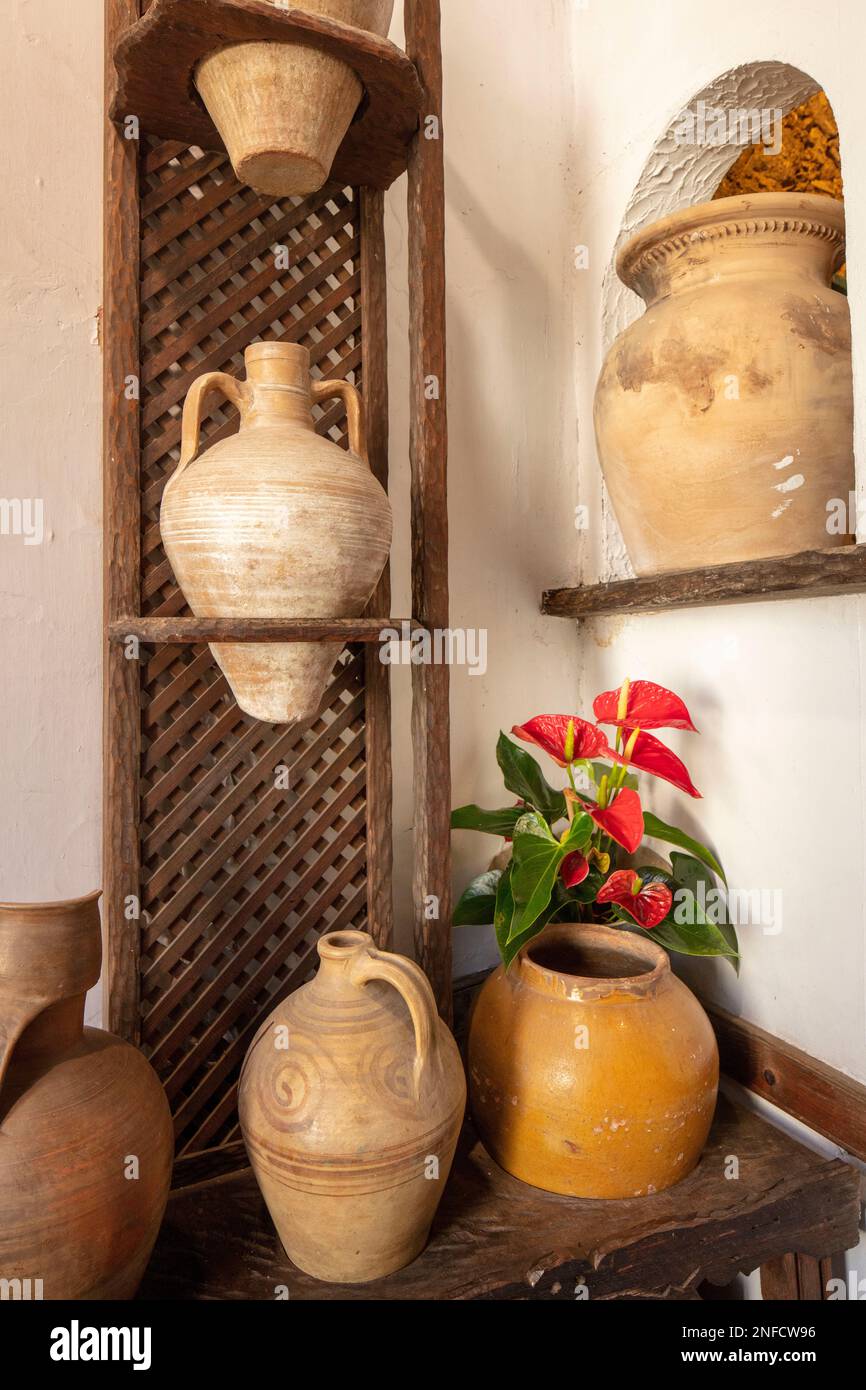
pixel 192 631
pixel 811 574
pixel 156 58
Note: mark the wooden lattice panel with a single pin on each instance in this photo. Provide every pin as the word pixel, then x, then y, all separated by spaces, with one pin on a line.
pixel 252 838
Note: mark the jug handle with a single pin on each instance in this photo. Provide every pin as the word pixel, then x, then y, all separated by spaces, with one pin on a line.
pixel 15 1018
pixel 410 981
pixel 212 383
pixel 325 391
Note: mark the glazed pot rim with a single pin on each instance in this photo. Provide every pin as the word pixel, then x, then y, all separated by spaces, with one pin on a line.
pixel 58 905
pixel 610 939
pixel 825 212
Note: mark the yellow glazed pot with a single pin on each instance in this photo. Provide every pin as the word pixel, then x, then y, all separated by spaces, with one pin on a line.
pixel 593 1070
pixel 724 414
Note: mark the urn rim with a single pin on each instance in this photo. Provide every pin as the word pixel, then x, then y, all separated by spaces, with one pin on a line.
pixel 541 966
pixel 751 214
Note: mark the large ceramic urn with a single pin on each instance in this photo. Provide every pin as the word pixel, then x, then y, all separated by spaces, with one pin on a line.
pixel 86 1138
pixel 283 109
pixel 724 415
pixel 351 1101
pixel 275 522
pixel 593 1070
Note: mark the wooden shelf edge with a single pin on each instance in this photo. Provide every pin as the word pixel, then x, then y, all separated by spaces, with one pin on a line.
pixel 193 631
pixel 156 59
pixel 828 1101
pixel 811 574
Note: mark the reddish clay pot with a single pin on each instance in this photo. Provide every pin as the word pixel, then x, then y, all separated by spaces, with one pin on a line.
pixel 86 1139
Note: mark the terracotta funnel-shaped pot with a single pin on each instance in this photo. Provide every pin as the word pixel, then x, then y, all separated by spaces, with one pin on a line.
pixel 724 414
pixel 275 522
pixel 350 1102
pixel 284 109
pixel 86 1138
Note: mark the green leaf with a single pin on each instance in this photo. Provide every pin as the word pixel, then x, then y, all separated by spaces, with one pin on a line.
pixel 694 936
pixel 524 777
pixel 478 903
pixel 513 947
pixel 600 769
pixel 656 829
pixel 692 874
pixel 473 817
pixel 537 857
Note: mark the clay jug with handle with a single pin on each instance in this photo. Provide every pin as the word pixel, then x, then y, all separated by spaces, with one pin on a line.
pixel 351 1101
pixel 86 1138
pixel 275 522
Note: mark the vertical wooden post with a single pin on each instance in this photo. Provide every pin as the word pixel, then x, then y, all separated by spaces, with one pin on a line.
pixel 429 458
pixel 121 528
pixel 374 383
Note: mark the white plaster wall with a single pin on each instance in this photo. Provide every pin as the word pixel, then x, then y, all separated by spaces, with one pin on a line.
pixel 50 594
pixel 510 141
pixel 769 685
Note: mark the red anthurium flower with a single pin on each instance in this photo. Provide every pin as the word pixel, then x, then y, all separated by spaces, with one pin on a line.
pixel 622 820
pixel 647 903
pixel 648 706
pixel 574 869
pixel 550 732
pixel 649 754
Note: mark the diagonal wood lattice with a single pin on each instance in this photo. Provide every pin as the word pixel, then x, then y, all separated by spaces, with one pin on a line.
pixel 252 838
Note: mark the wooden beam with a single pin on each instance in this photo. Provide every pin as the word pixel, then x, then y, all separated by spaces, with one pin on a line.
pixel 812 574
pixel 826 1100
pixel 193 631
pixel 428 448
pixel 374 382
pixel 121 528
pixel 796 1277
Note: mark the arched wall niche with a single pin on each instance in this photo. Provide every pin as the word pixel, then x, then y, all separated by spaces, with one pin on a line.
pixel 678 174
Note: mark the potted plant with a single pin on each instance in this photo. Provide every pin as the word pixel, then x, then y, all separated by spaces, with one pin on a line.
pixel 593 1069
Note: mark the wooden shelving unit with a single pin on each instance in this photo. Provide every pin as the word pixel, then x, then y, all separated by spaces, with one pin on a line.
pixel 812 574
pixel 217 881
pixel 495 1238
pixel 156 58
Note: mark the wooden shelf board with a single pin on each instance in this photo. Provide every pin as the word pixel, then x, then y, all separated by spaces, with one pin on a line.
pixel 811 574
pixel 156 58
pixel 496 1238
pixel 192 631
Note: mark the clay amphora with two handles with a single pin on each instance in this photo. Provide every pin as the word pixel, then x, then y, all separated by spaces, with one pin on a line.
pixel 275 522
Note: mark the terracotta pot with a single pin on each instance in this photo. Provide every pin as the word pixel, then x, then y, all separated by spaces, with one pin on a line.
pixel 283 109
pixel 593 1070
pixel 351 1101
pixel 724 416
pixel 275 522
pixel 86 1139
